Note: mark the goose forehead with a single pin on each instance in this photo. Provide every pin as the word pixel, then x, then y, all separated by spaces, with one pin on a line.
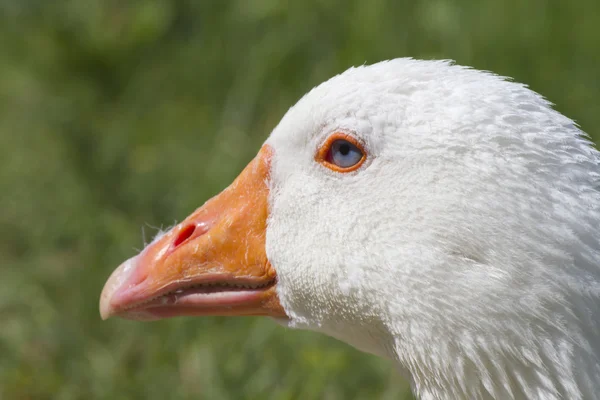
pixel 375 101
pixel 354 100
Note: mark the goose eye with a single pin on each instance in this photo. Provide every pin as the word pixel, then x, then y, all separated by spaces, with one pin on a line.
pixel 344 154
pixel 341 153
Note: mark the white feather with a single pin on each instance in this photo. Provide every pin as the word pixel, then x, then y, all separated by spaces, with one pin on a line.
pixel 466 248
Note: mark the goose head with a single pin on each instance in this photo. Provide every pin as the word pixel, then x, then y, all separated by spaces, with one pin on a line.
pixel 439 216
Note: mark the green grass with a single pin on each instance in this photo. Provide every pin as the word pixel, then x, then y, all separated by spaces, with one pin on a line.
pixel 116 116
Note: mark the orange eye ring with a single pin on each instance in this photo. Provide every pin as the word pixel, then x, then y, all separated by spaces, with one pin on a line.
pixel 323 155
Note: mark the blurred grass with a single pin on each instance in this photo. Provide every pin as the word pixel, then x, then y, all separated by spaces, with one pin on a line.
pixel 120 115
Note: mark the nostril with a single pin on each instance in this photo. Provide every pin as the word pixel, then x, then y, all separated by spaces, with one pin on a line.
pixel 184 235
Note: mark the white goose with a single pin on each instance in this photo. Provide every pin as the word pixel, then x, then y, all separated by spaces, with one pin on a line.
pixel 436 215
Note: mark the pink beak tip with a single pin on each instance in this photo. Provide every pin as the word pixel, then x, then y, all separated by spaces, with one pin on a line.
pixel 114 283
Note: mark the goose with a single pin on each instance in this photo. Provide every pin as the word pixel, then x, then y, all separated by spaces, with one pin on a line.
pixel 439 216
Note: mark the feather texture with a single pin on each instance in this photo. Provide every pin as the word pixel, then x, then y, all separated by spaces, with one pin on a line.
pixel 466 248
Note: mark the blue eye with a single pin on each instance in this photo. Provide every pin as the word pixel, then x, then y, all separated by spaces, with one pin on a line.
pixel 341 153
pixel 344 154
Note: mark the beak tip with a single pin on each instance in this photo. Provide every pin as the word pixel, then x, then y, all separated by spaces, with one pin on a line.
pixel 105 315
pixel 114 283
pixel 105 307
pixel 106 311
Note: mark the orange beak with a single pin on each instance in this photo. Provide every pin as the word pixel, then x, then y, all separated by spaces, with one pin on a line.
pixel 212 263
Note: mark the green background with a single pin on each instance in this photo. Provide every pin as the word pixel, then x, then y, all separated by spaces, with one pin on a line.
pixel 117 117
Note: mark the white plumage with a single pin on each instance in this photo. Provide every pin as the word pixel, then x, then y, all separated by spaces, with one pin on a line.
pixel 466 249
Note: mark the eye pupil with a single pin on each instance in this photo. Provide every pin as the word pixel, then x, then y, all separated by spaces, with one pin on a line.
pixel 345 149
